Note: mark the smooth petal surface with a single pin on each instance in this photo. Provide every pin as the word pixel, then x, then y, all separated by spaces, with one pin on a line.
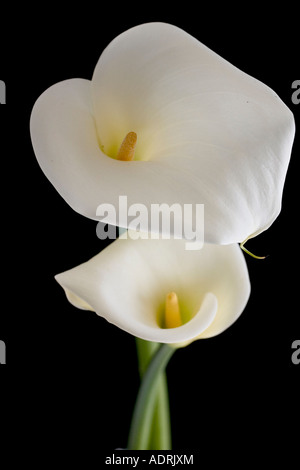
pixel 207 134
pixel 128 281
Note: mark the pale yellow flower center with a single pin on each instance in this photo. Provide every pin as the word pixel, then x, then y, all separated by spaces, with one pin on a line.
pixel 172 311
pixel 127 149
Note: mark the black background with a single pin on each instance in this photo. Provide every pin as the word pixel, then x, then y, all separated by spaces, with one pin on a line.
pixel 69 373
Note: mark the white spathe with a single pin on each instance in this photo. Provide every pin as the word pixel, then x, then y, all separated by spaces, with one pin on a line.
pixel 207 134
pixel 128 281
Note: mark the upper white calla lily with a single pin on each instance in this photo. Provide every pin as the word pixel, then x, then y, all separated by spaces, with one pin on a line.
pixel 207 133
pixel 127 283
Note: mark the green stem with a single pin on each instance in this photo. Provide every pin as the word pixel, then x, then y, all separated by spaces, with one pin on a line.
pixel 160 438
pixel 143 411
pixel 159 433
pixel 145 351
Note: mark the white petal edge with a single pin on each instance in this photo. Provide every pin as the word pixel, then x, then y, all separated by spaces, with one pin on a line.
pixel 180 336
pixel 127 281
pixel 216 134
pixel 241 189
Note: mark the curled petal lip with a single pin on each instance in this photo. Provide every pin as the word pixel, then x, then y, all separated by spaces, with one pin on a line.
pixel 209 133
pixel 182 334
pixel 127 281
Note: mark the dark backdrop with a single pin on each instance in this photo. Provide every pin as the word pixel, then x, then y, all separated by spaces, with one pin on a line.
pixel 69 373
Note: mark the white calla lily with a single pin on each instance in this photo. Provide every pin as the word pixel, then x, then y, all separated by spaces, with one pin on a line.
pixel 127 284
pixel 207 133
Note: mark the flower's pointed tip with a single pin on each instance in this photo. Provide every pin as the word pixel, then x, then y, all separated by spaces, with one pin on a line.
pixel 249 252
pixel 172 297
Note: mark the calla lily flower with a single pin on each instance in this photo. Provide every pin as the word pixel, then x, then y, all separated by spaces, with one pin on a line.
pixel 158 291
pixel 200 131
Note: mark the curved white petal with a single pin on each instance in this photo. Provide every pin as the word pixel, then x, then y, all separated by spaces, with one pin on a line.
pixel 128 281
pixel 207 134
pixel 65 142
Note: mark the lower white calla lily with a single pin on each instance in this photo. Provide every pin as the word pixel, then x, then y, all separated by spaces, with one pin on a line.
pixel 207 133
pixel 127 284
